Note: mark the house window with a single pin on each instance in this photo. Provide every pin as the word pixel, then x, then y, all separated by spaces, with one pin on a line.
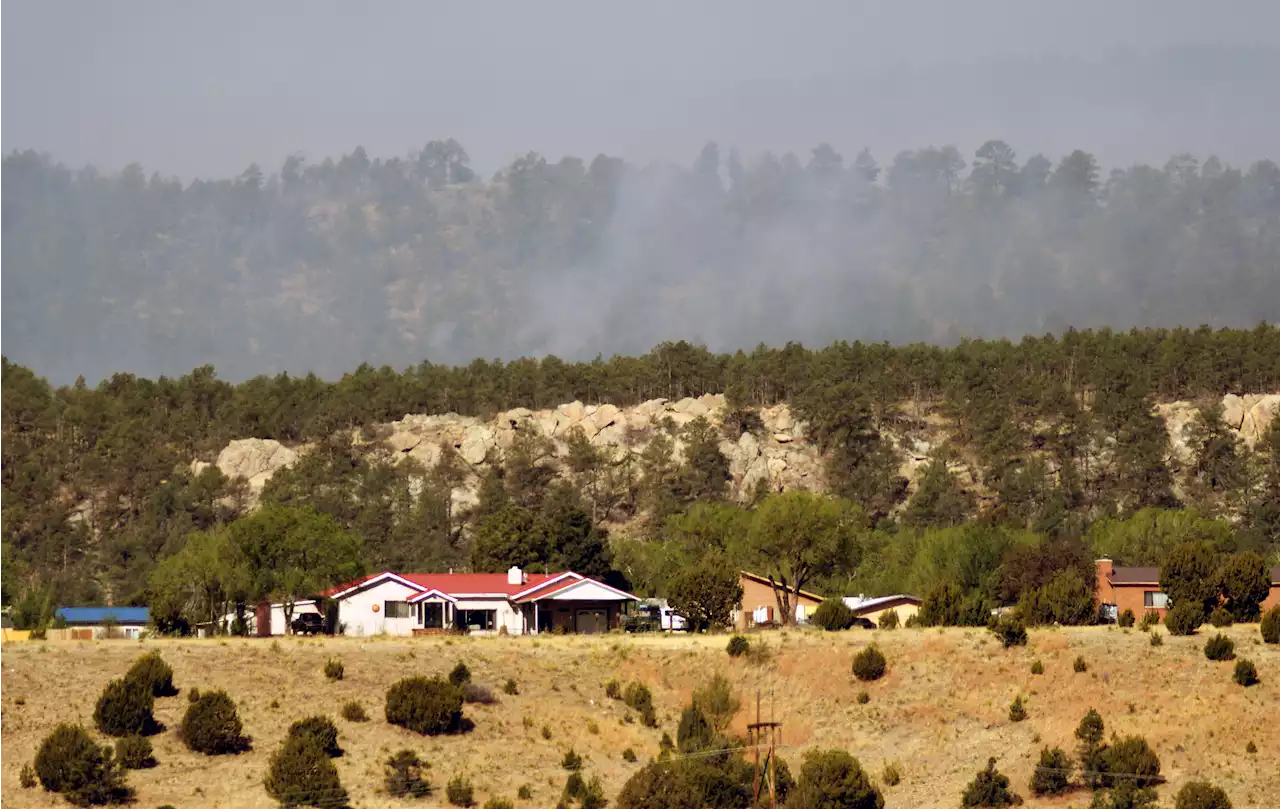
pixel 397 609
pixel 431 616
pixel 477 620
pixel 1155 601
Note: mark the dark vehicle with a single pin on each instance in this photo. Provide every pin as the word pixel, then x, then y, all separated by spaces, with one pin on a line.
pixel 864 623
pixel 308 623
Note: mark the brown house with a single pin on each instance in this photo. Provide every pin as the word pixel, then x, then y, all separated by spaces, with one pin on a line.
pixel 760 604
pixel 1138 589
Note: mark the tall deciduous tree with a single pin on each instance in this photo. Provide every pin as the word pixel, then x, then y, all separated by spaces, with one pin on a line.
pixel 1189 575
pixel 706 595
pixel 797 535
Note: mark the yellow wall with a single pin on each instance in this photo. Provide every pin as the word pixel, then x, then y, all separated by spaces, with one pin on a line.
pixel 13 635
pixel 904 611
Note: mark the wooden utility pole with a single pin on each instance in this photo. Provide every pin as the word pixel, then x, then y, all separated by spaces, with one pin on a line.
pixel 756 731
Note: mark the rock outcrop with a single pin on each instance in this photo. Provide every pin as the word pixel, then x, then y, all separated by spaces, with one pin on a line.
pixel 253 459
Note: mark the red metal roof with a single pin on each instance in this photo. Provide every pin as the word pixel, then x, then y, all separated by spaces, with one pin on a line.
pixel 456 584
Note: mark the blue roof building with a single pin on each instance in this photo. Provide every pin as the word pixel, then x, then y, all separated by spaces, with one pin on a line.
pixel 96 616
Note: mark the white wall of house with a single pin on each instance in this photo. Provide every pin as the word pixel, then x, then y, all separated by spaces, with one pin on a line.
pixel 506 615
pixel 278 623
pixel 357 615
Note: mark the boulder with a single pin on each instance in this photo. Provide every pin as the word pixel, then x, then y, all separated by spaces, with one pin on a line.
pixel 402 440
pixel 574 411
pixel 1233 410
pixel 255 460
pixel 748 446
pixel 548 423
pixel 475 444
pixel 782 438
pixel 1258 420
pixel 605 416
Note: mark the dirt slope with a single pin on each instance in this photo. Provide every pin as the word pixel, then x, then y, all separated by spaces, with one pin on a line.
pixel 941 710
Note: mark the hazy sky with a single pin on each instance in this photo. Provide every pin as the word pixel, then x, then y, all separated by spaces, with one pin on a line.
pixel 206 88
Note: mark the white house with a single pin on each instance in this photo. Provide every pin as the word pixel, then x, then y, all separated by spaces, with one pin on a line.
pixel 514 603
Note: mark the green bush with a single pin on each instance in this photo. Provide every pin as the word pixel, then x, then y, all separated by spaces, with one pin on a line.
pixel 587 794
pixel 1037 667
pixel 1271 625
pixel 460 792
pixel 571 760
pixel 1090 734
pixel 460 674
pixel 833 778
pixel 629 756
pixel 27 777
pixel 353 711
pixel 1201 795
pixel 124 709
pixel 426 705
pixel 212 726
pixel 989 788
pixel 1246 673
pixel 510 688
pixel 1184 619
pixel 1133 761
pixel 321 731
pixel 546 733
pixel 1251 748
pixel 498 803
pixel 1157 639
pixel 524 793
pixel 333 669
pixel 473 694
pixel 832 615
pixel 1220 647
pixel 863 698
pixel 694 732
pixel 1010 631
pixel 193 694
pixel 613 689
pixel 869 664
pixel 151 670
pixel 405 776
pixel 892 774
pixel 738 646
pixel 640 699
pixel 71 763
pixel 1150 618
pixel 1052 775
pixel 888 620
pixel 1017 710
pixel 1220 618
pixel 135 753
pixel 301 774
pixel 1079 665
pixel 912 622
pixel 1125 619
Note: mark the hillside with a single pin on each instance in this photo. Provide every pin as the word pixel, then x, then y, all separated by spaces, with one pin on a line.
pixel 941 710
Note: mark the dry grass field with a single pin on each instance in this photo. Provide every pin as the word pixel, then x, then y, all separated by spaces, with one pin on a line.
pixel 940 711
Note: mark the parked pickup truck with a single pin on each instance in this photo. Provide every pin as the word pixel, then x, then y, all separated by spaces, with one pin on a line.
pixel 308 623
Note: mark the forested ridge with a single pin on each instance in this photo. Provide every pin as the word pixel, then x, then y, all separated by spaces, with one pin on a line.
pixel 319 266
pixel 1067 456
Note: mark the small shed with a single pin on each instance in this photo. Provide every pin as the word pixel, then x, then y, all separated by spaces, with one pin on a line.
pixel 94 623
pixel 872 608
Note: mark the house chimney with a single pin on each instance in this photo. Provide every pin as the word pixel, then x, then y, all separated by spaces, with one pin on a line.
pixel 515 575
pixel 1102 588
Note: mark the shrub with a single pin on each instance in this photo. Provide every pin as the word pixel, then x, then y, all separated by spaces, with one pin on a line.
pixel 1246 673
pixel 629 755
pixel 321 731
pixel 1037 667
pixel 353 711
pixel 833 778
pixel 738 646
pixel 1126 618
pixel 613 689
pixel 124 709
pixel 1184 619
pixel 1133 761
pixel 333 669
pixel 694 732
pixel 1017 711
pixel 892 775
pixel 1157 639
pixel 571 760
pixel 868 664
pixel 546 733
pixel 301 774
pixel 912 622
pixel 640 698
pixel 1150 618
pixel 135 753
pixel 1251 748
pixel 1271 625
pixel 510 688
pixel 405 775
pixel 151 671
pixel 989 788
pixel 1010 631
pixel 193 694
pixel 460 674
pixel 863 697
pixel 71 763
pixel 1090 733
pixel 717 702
pixel 888 620
pixel 1079 665
pixel 459 791
pixel 833 615
pixel 426 705
pixel 1201 795
pixel 524 793
pixel 27 777
pixel 1220 647
pixel 473 694
pixel 498 803
pixel 588 794
pixel 212 726
pixel 1052 775
pixel 1220 618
